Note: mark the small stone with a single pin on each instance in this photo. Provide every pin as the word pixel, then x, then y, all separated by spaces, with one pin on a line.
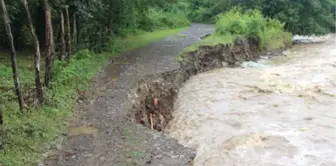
pixel 251 64
pixel 238 63
pixel 149 162
pixel 264 57
pixel 225 64
pixel 174 157
pixel 333 64
pixel 58 146
pixel 159 156
pixel 88 155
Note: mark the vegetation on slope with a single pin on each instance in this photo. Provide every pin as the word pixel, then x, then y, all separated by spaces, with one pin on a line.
pixel 235 24
pixel 300 17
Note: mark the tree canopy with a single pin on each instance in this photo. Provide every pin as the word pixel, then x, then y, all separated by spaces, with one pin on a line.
pixel 95 18
pixel 300 16
pixel 120 17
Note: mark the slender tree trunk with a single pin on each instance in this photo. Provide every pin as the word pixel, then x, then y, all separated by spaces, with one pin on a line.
pixel 13 58
pixel 1 113
pixel 38 84
pixel 49 45
pixel 63 46
pixel 68 33
pixel 74 33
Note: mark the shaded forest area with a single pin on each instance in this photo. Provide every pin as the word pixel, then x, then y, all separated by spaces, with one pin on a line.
pixel 51 49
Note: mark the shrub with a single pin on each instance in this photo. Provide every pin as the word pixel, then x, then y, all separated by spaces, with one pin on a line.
pixel 160 19
pixel 252 23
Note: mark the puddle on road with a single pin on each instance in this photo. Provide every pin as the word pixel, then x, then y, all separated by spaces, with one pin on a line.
pixel 275 116
pixel 84 130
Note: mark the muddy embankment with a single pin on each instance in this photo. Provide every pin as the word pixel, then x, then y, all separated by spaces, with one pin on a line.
pixel 153 96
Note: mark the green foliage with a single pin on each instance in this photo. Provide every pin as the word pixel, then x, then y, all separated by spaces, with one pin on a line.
pixel 235 24
pixel 159 19
pixel 305 17
pixel 300 17
pixel 252 23
pixel 211 40
pixel 98 20
pixel 120 17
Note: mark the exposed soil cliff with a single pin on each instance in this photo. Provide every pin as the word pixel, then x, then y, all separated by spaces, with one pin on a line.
pixel 154 95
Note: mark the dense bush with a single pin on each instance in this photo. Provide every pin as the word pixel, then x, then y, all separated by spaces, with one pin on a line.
pixel 270 32
pixel 96 18
pixel 159 19
pixel 300 17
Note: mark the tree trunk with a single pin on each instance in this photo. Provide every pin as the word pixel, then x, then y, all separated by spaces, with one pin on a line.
pixel 13 57
pixel 74 38
pixel 63 46
pixel 38 84
pixel 68 33
pixel 39 21
pixel 49 50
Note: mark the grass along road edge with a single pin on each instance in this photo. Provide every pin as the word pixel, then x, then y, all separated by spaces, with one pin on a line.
pixel 25 138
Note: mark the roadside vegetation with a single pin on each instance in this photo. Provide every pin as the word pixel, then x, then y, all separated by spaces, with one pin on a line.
pixel 24 137
pixel 300 17
pixel 52 49
pixel 236 24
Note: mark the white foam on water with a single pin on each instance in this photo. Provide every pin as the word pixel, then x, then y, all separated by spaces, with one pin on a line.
pixel 311 39
pixel 280 115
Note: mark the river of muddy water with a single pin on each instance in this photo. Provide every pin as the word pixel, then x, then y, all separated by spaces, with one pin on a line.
pixel 281 114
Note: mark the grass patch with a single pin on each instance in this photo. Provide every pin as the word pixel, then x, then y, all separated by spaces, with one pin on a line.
pixel 142 39
pixel 270 32
pixel 23 138
pixel 211 40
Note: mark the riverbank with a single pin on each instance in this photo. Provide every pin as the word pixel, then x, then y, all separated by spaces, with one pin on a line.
pixel 164 87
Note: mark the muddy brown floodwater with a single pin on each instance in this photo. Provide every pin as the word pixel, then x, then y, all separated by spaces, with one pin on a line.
pixel 283 114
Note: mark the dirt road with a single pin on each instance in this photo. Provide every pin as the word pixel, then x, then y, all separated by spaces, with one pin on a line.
pixel 102 133
pixel 281 113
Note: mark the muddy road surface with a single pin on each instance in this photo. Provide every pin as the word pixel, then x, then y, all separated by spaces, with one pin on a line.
pixel 103 134
pixel 280 113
